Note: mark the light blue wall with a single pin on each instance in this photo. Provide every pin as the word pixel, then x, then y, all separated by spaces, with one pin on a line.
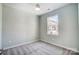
pixel 0 26
pixel 18 27
pixel 68 19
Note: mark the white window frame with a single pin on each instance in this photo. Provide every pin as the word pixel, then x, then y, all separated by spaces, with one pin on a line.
pixel 52 25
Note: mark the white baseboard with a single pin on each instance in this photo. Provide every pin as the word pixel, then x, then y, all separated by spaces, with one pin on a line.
pixel 20 44
pixel 67 48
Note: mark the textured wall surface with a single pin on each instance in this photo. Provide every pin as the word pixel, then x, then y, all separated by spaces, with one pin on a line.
pixel 68 18
pixel 18 27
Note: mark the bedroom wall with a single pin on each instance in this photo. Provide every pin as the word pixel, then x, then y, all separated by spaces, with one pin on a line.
pixel 0 25
pixel 68 18
pixel 78 27
pixel 18 27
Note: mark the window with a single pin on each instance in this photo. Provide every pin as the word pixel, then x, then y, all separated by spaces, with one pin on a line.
pixel 52 25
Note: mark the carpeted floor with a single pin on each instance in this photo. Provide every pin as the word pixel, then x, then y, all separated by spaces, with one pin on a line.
pixel 35 48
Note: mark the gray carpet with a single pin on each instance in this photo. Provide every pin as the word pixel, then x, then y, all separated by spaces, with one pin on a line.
pixel 36 48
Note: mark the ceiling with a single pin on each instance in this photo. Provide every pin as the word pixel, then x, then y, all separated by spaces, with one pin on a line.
pixel 30 7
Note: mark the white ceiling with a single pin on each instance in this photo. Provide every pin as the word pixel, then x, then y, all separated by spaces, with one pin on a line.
pixel 30 7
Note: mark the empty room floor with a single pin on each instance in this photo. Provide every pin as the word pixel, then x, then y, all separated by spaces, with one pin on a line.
pixel 35 48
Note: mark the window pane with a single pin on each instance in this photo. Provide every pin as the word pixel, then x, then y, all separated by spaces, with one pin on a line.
pixel 52 25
